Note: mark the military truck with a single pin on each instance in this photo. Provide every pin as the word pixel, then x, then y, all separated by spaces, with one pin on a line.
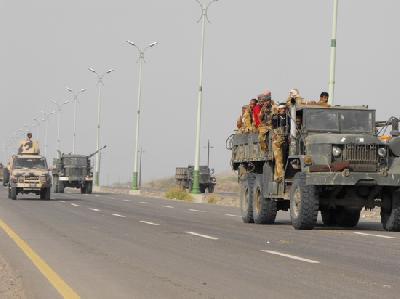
pixel 73 171
pixel 184 178
pixel 28 172
pixel 335 163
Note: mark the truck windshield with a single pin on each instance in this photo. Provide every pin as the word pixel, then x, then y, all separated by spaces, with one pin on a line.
pixel 75 161
pixel 354 121
pixel 31 163
pixel 345 121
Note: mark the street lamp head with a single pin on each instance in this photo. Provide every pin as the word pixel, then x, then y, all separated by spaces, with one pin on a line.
pixel 109 71
pixel 131 43
pixel 153 44
pixel 54 102
pixel 69 89
pixel 83 89
pixel 92 70
pixel 66 102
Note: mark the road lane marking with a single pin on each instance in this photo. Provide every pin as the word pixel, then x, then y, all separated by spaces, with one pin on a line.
pixel 96 195
pixel 74 204
pixel 112 197
pixel 231 215
pixel 149 223
pixel 169 207
pixel 202 236
pixel 118 215
pixel 62 201
pixel 127 200
pixel 372 235
pixel 55 280
pixel 194 210
pixel 95 210
pixel 144 202
pixel 293 257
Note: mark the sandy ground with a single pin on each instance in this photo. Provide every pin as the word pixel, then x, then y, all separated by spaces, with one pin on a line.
pixel 10 283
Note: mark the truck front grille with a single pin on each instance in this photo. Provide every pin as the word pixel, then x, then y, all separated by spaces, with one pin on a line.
pixel 31 179
pixel 361 157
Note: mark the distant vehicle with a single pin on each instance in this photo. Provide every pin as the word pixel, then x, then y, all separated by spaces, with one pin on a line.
pixel 1 171
pixel 73 171
pixel 335 163
pixel 184 178
pixel 28 173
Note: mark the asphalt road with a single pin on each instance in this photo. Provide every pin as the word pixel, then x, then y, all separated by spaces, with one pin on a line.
pixel 119 246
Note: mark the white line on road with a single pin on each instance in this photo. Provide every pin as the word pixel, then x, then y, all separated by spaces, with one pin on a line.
pixel 74 204
pixel 118 215
pixel 371 235
pixel 144 202
pixel 293 257
pixel 127 200
pixel 202 236
pixel 231 215
pixel 62 201
pixel 169 207
pixel 149 223
pixel 95 210
pixel 96 195
pixel 194 210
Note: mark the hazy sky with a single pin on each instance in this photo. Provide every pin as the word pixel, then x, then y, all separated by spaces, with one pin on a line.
pixel 251 46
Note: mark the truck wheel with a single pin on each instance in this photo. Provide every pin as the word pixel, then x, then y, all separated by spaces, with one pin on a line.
pixel 46 194
pixel 13 193
pixel 246 198
pixel 390 212
pixel 55 184
pixel 328 217
pixel 83 189
pixel 211 189
pixel 202 189
pixel 303 203
pixel 264 209
pixel 347 218
pixel 60 187
pixel 190 186
pixel 89 188
pixel 6 177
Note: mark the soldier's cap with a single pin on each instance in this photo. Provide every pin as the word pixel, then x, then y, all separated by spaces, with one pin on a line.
pixel 282 106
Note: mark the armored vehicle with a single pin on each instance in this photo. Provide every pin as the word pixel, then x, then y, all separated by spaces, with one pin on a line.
pixel 28 173
pixel 184 178
pixel 73 171
pixel 335 163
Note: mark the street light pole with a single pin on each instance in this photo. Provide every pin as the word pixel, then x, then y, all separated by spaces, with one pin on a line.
pixel 46 118
pixel 98 155
pixel 75 99
pixel 141 60
pixel 196 172
pixel 332 67
pixel 59 110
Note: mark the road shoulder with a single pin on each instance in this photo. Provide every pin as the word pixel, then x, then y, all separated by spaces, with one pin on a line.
pixel 10 283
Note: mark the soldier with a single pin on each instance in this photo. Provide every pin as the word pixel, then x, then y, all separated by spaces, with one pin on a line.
pixel 241 122
pixel 279 123
pixel 28 145
pixel 255 113
pixel 265 120
pixel 294 98
pixel 323 99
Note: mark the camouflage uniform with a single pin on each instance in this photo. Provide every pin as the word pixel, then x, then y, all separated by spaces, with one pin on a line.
pixel 278 139
pixel 265 126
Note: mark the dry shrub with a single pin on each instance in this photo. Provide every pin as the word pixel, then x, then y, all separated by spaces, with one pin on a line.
pixel 178 193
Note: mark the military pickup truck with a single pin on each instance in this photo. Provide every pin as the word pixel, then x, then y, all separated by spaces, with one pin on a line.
pixel 335 163
pixel 28 173
pixel 184 178
pixel 73 171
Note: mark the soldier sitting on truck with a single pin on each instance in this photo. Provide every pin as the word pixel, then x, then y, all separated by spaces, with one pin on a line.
pixel 279 138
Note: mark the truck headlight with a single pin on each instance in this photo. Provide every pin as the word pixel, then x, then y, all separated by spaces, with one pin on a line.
pixel 21 179
pixel 43 179
pixel 382 152
pixel 336 151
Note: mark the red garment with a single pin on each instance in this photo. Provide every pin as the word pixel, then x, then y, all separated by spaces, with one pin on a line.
pixel 256 115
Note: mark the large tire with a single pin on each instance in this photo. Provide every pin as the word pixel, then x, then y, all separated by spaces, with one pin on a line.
pixel 211 188
pixel 6 177
pixel 347 218
pixel 328 217
pixel 60 187
pixel 13 193
pixel 303 203
pixel 246 197
pixel 83 189
pixel 264 209
pixel 46 194
pixel 390 211
pixel 55 184
pixel 89 188
pixel 202 189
